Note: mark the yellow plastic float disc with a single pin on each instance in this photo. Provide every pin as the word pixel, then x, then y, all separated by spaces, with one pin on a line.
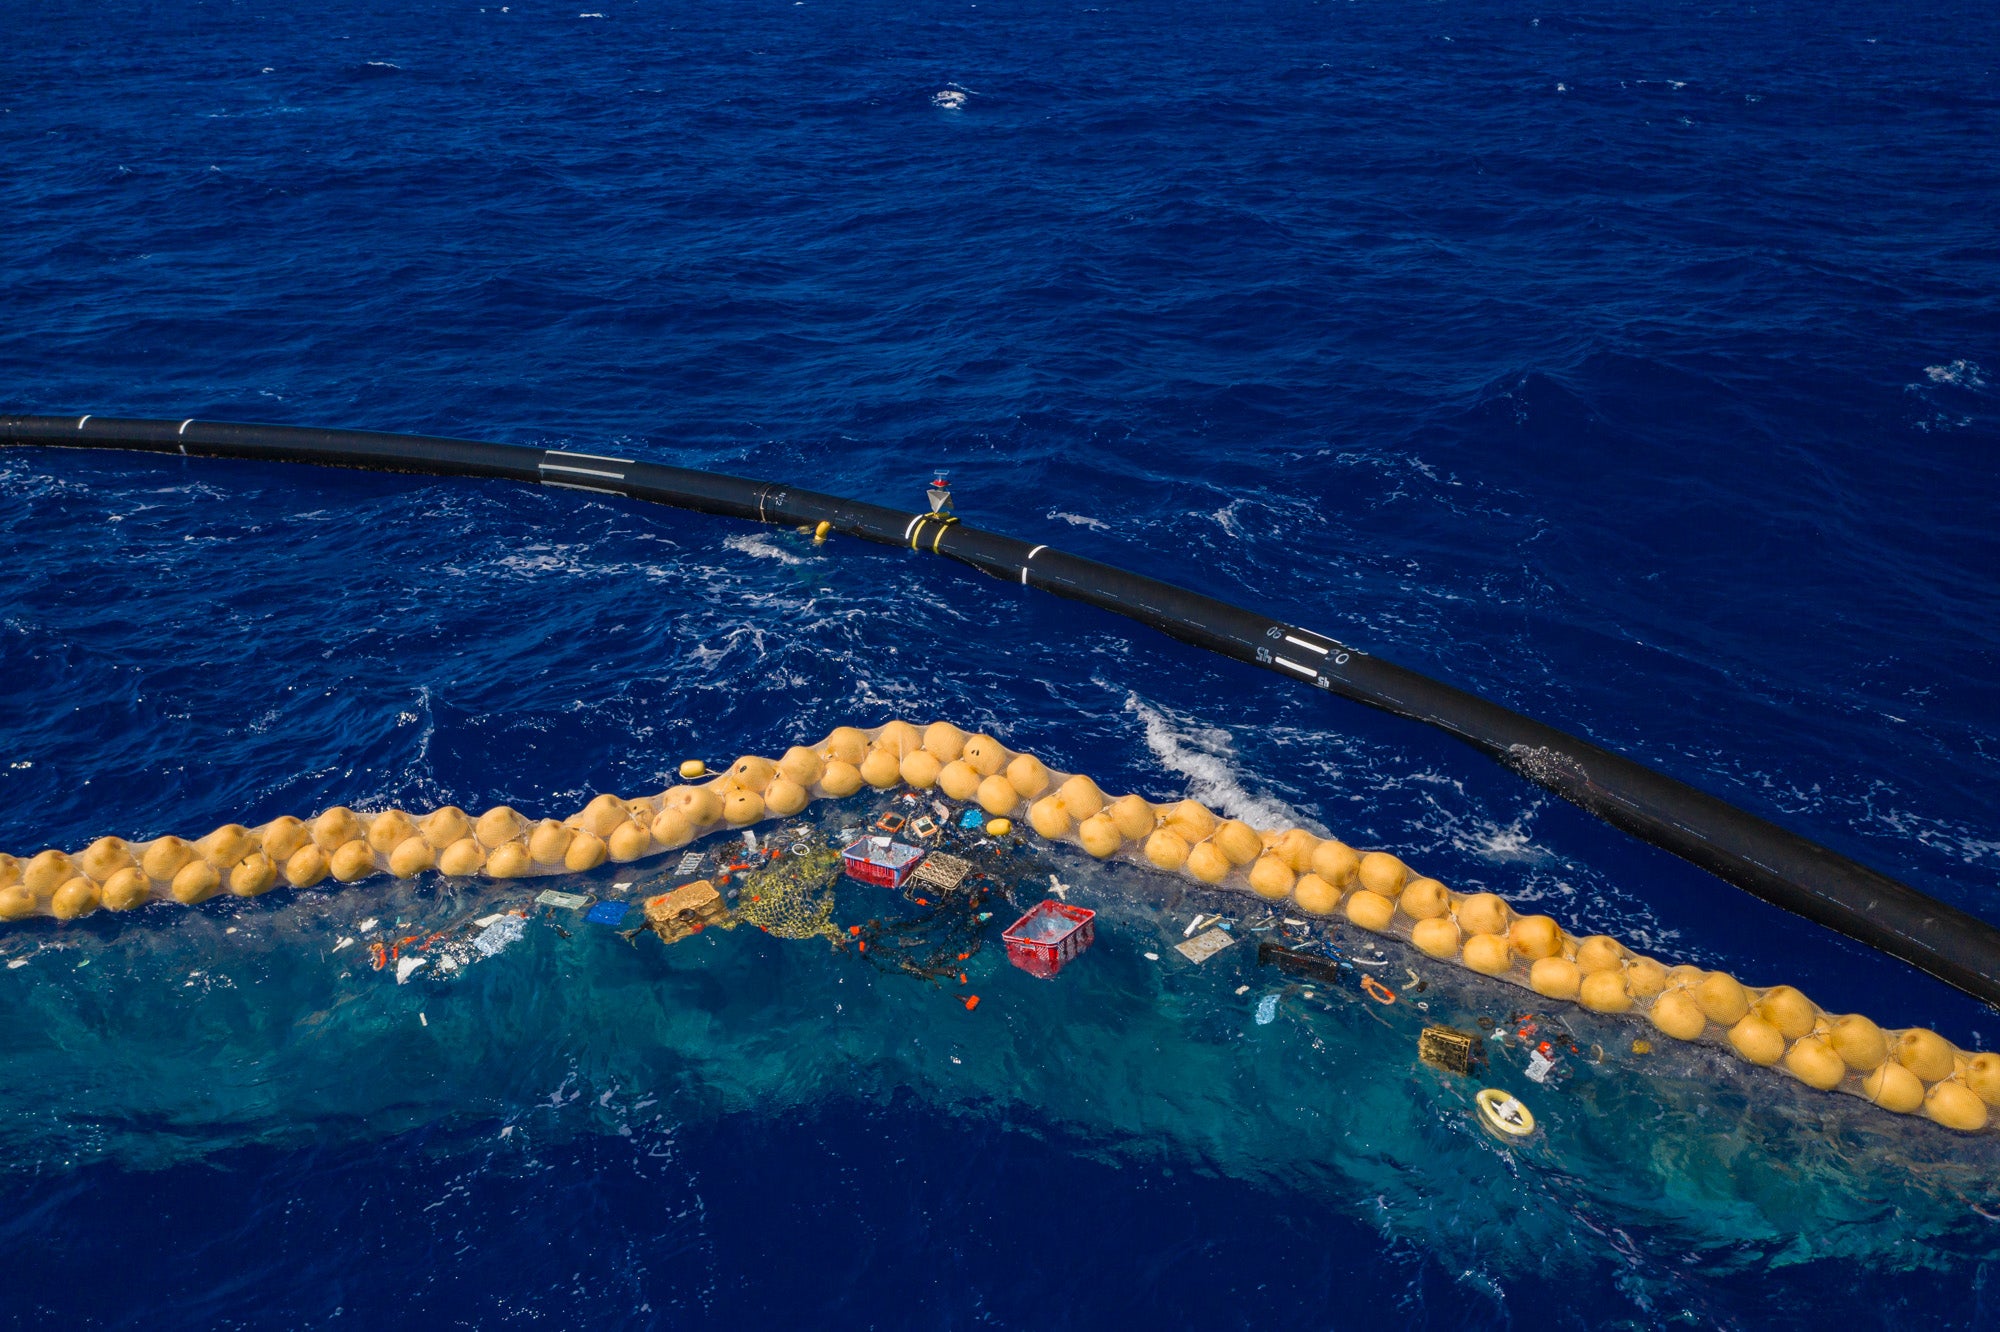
pixel 999 827
pixel 692 769
pixel 1505 1113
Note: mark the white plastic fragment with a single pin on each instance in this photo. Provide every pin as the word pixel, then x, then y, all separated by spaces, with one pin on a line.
pixel 1267 1010
pixel 498 935
pixel 406 967
pixel 344 941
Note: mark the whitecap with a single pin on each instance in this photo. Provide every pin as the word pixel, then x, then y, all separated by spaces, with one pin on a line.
pixel 1078 520
pixel 762 547
pixel 1201 754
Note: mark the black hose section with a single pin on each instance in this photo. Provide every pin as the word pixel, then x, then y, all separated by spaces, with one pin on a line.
pixel 1756 855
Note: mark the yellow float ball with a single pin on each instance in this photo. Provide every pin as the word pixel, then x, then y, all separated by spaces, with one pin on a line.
pixel 996 795
pixel 1383 874
pixel 127 888
pixel 1237 840
pixel 1489 954
pixel 785 797
pixel 511 861
pixel 413 855
pixel 497 826
pixel 1757 1040
pixel 1894 1087
pixel 1336 862
pixel 846 744
pixel 999 827
pixel 546 844
pixel 1048 817
pixel 440 828
pixel 1316 897
pixel 1206 862
pixel 1554 977
pixel 671 829
pixel 604 813
pixel 1722 998
pixel 1369 910
pixel 753 772
pixel 164 858
pixel 901 738
pixel 628 842
pixel 1080 796
pixel 254 874
pixel 334 828
pixel 1982 1075
pixel 463 857
pixel 742 807
pixel 585 853
pixel 920 769
pixel 1028 775
pixel 10 870
pixel 801 765
pixel 1483 913
pixel 985 755
pixel 226 846
pixel 1535 937
pixel 1604 992
pixel 1813 1062
pixel 1166 849
pixel 693 770
pixel 389 830
pixel 1099 835
pixel 197 881
pixel 76 896
pixel 840 779
pixel 105 857
pixel 1134 817
pixel 16 902
pixel 283 836
pixel 1953 1106
pixel 1600 952
pixel 882 769
pixel 1678 1015
pixel 959 780
pixel 1190 819
pixel 1645 978
pixel 1789 1011
pixel 1424 899
pixel 1925 1053
pixel 702 805
pixel 349 861
pixel 306 866
pixel 1436 937
pixel 1295 846
pixel 46 872
pixel 946 742
pixel 1271 878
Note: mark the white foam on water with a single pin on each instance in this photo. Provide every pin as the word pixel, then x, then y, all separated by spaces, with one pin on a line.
pixel 761 546
pixel 1078 520
pixel 1959 374
pixel 1202 754
pixel 950 98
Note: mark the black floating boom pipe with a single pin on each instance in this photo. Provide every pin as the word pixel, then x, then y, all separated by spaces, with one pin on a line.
pixel 1765 860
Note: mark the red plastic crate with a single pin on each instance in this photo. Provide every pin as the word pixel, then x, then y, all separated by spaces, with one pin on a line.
pixel 881 860
pixel 1042 941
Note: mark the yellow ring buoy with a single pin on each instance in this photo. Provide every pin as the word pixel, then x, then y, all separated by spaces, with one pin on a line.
pixel 1505 1113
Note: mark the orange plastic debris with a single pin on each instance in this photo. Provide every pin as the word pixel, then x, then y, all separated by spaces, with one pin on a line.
pixel 971 1002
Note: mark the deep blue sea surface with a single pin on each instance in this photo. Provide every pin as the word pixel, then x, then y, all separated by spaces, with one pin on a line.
pixel 1636 365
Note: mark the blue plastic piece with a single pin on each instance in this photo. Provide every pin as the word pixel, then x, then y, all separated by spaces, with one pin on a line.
pixel 972 818
pixel 608 913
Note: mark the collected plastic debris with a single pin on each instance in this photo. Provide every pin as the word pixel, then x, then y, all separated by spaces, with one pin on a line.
pixel 972 818
pixel 499 934
pixel 1450 1049
pixel 1504 1114
pixel 686 910
pixel 1294 962
pixel 1204 946
pixel 563 901
pixel 407 966
pixel 1051 935
pixel 608 913
pixel 1267 1010
pixel 1539 1067
pixel 882 861
pixel 792 897
pixel 942 872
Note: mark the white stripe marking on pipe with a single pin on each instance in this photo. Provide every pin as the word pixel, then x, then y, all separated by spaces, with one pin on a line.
pixel 1306 671
pixel 1302 643
pixel 184 426
pixel 81 419
pixel 587 457
pixel 913 525
pixel 1024 564
pixel 1036 551
pixel 572 485
pixel 582 471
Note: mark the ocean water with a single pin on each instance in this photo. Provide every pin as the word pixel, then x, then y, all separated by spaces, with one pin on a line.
pixel 1633 367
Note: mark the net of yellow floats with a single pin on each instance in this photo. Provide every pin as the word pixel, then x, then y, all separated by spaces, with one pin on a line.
pixel 1906 1071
